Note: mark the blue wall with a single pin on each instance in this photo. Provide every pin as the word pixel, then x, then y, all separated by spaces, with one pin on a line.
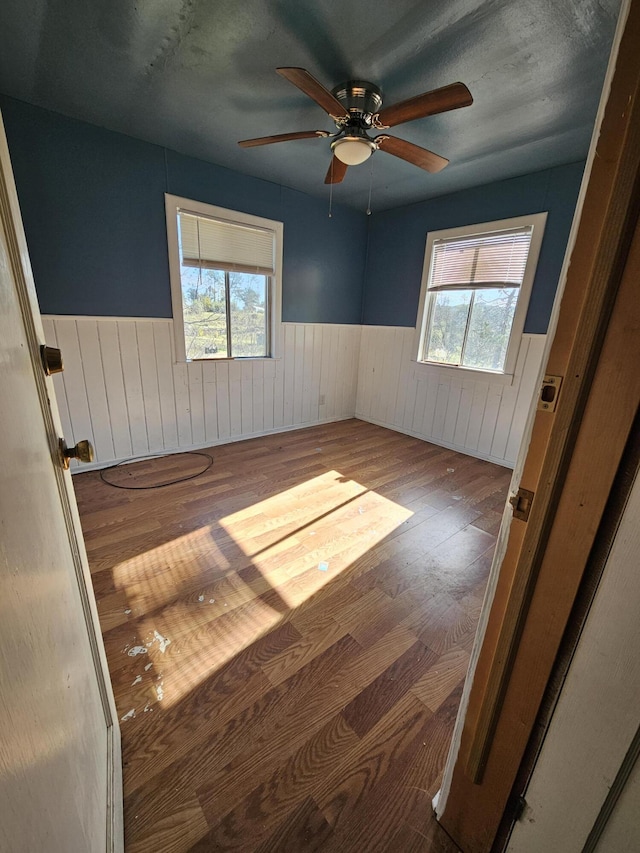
pixel 397 241
pixel 93 209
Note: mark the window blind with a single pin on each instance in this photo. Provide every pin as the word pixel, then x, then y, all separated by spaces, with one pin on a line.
pixel 492 260
pixel 215 244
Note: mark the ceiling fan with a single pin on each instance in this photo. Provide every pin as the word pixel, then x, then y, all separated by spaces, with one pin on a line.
pixel 355 107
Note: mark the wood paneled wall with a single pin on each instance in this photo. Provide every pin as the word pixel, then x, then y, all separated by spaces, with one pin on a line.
pixel 472 415
pixel 122 390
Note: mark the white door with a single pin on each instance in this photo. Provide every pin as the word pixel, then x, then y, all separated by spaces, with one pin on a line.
pixel 60 772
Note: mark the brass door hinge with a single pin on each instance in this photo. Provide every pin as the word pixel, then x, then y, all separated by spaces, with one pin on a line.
pixel 519 808
pixel 51 358
pixel 521 503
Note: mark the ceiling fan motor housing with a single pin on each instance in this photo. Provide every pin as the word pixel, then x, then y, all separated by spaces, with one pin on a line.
pixel 360 98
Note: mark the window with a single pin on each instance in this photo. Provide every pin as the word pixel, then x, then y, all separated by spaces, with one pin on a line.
pixel 475 293
pixel 225 269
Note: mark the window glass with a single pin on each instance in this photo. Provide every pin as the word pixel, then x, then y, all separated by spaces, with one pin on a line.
pixel 249 310
pixel 449 315
pixel 490 328
pixel 205 312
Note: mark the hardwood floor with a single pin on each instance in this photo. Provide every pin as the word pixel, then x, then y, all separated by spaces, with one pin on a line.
pixel 288 636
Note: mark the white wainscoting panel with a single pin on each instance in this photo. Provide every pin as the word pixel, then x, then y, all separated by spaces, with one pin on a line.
pixel 464 411
pixel 122 390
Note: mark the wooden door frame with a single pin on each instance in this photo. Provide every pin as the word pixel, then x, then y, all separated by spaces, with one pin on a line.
pixel 584 808
pixel 570 464
pixel 628 471
pixel 18 255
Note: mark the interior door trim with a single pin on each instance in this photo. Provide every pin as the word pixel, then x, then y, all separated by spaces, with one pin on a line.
pixel 471 812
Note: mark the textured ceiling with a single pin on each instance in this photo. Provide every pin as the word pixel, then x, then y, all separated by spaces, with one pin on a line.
pixel 198 75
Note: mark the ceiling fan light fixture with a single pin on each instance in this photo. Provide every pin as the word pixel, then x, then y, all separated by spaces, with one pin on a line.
pixel 353 150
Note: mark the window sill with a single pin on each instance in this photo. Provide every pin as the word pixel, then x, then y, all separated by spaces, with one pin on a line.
pixel 232 359
pixel 448 371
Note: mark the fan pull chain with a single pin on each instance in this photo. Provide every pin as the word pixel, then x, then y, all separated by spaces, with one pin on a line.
pixel 370 185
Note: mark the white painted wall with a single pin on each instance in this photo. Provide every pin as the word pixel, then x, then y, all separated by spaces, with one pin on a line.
pixel 622 831
pixel 122 390
pixel 469 412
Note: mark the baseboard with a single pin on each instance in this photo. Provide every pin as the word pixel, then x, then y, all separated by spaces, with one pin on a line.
pixel 488 458
pixel 166 451
pixel 435 801
pixel 115 798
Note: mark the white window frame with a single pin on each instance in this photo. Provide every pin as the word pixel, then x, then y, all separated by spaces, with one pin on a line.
pixel 425 306
pixel 175 204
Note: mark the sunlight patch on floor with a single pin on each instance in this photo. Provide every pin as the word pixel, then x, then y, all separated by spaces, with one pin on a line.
pixel 290 546
pixel 301 503
pixel 165 572
pixel 334 521
pixel 198 649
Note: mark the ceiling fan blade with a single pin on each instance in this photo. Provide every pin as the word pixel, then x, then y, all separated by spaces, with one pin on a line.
pixel 315 90
pixel 283 137
pixel 411 153
pixel 430 103
pixel 337 171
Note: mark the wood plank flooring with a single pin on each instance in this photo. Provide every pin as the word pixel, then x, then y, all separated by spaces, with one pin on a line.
pixel 288 635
